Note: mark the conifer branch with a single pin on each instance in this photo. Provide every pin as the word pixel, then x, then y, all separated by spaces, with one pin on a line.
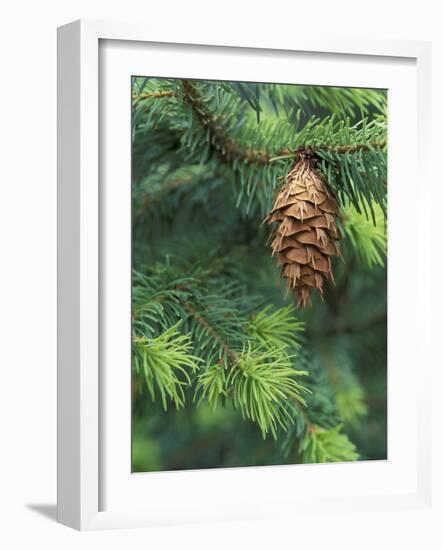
pixel 230 354
pixel 149 95
pixel 223 145
pixel 227 147
pixel 337 149
pixel 351 155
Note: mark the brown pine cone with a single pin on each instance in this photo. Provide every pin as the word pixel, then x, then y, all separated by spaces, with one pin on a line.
pixel 305 238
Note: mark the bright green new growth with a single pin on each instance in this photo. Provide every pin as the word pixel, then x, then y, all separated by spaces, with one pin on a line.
pixel 327 446
pixel 261 379
pixel 212 385
pixel 278 329
pixel 162 360
pixel 264 387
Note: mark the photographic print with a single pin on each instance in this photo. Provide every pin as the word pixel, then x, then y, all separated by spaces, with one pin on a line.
pixel 259 274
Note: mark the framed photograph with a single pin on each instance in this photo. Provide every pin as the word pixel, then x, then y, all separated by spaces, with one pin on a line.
pixel 241 261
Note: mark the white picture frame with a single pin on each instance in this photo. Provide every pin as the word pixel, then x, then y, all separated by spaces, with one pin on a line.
pixel 83 445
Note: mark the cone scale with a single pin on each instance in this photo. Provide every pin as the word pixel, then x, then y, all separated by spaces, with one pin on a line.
pixel 305 233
